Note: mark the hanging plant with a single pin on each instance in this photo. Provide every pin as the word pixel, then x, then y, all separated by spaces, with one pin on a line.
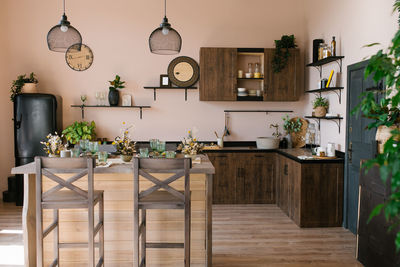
pixel 17 84
pixel 281 56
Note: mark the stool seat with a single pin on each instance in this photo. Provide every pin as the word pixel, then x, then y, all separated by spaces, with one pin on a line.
pixel 67 199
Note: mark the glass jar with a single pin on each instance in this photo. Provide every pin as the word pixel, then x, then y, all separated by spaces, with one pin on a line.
pixel 321 51
pixel 257 73
pixel 326 51
pixel 250 69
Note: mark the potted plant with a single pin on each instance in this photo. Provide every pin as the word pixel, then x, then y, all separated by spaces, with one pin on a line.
pixel 53 145
pixel 385 64
pixel 79 130
pixel 320 106
pixel 113 94
pixel 295 129
pixel 190 147
pixel 124 145
pixel 23 84
pixel 282 52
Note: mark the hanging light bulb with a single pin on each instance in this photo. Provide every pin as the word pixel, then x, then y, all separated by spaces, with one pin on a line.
pixel 63 35
pixel 165 40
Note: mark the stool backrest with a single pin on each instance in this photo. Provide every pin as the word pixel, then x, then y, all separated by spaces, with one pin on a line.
pixel 179 167
pixel 50 167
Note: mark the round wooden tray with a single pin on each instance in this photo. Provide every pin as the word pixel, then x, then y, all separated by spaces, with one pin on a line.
pixel 318 157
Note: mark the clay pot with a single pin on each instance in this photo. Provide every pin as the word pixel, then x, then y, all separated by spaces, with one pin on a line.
pixel 29 88
pixel 383 134
pixel 320 112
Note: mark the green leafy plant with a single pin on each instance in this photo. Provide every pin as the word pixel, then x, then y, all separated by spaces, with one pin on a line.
pixel 116 83
pixel 321 102
pixel 80 130
pixel 291 126
pixel 385 64
pixel 282 52
pixel 21 80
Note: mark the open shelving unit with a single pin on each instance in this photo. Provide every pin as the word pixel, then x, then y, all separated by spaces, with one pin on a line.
pixel 318 64
pixel 155 88
pixel 82 107
pixel 336 119
pixel 336 90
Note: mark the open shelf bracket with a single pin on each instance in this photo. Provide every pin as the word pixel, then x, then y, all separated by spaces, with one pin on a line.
pixel 336 120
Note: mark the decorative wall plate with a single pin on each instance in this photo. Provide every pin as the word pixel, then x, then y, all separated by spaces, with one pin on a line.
pixel 79 57
pixel 183 71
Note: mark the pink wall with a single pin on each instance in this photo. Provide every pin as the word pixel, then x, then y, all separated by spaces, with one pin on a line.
pixel 354 23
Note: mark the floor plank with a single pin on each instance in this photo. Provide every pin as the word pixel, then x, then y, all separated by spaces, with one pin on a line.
pixel 243 235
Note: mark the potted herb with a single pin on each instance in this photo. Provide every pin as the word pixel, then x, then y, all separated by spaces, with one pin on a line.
pixel 113 95
pixel 385 64
pixel 79 130
pixel 282 52
pixel 320 106
pixel 23 84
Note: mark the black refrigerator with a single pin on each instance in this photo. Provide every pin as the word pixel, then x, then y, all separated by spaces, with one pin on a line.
pixel 35 116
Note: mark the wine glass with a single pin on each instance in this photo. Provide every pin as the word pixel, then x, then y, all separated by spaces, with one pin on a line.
pixel 93 147
pixel 83 99
pixel 98 98
pixel 83 144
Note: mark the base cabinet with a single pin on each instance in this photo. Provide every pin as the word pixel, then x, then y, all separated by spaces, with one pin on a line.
pixel 243 178
pixel 311 194
pixel 376 245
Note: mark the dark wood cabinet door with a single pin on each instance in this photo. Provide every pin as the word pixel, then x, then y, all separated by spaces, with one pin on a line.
pixel 260 179
pixel 294 185
pixel 218 77
pixel 224 182
pixel 284 185
pixel 286 85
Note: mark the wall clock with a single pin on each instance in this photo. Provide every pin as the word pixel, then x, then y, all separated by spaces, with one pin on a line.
pixel 183 71
pixel 79 57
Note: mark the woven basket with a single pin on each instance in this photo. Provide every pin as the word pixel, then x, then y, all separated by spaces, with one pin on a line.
pixel 320 112
pixel 299 138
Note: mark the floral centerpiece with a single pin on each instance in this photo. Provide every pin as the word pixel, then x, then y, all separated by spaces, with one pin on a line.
pixel 53 145
pixel 124 144
pixel 190 146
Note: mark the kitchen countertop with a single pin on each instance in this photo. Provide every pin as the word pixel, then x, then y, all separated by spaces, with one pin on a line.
pixel 291 153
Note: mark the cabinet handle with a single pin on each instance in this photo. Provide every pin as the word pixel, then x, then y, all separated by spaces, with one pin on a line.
pixel 285 170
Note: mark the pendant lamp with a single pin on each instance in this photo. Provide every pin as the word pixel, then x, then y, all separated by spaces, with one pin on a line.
pixel 165 40
pixel 63 35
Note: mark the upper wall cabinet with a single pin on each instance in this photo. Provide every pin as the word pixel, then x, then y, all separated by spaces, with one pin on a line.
pixel 218 74
pixel 219 79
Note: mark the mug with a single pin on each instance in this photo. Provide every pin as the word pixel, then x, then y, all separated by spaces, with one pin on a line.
pixel 220 142
pixel 321 152
pixel 65 153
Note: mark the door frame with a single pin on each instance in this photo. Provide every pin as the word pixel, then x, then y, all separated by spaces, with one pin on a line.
pixel 356 66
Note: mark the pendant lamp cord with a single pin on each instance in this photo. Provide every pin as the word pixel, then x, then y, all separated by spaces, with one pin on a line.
pixel 64 6
pixel 165 8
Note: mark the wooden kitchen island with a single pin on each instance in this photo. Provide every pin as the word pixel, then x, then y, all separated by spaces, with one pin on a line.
pixel 117 183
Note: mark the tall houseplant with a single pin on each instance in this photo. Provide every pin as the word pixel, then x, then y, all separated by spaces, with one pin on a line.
pixel 385 64
pixel 113 94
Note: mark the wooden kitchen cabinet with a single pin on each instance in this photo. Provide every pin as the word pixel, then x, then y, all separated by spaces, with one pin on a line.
pixel 311 194
pixel 218 74
pixel 243 178
pixel 287 85
pixel 219 81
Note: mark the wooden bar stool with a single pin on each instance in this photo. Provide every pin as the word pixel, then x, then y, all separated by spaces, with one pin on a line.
pixel 65 195
pixel 154 198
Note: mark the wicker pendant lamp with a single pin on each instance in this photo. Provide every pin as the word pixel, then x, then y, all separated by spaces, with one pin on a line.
pixel 165 40
pixel 63 35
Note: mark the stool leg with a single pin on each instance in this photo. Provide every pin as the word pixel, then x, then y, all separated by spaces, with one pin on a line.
pixel 136 234
pixel 143 243
pixel 187 233
pixel 101 219
pixel 39 235
pixel 91 235
pixel 56 237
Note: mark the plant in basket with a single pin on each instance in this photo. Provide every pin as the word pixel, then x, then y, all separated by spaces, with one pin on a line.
pixel 320 105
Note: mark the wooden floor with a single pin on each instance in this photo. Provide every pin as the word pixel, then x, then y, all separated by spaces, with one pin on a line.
pixel 243 235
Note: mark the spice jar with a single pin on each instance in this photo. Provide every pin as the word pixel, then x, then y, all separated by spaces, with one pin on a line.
pixel 257 73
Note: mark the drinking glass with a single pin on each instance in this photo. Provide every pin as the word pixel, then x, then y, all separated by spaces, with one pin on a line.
pixel 144 152
pixel 104 97
pixel 103 156
pixel 83 98
pixel 153 144
pixel 160 146
pixel 93 147
pixel 170 154
pixel 75 152
pixel 83 144
pixel 98 98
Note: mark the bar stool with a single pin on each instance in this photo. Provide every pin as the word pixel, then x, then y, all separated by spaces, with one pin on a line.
pixel 65 195
pixel 153 198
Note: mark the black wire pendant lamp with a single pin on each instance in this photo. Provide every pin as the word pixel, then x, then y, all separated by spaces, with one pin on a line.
pixel 165 40
pixel 63 35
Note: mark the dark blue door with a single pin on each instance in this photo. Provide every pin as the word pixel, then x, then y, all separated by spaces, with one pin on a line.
pixel 360 142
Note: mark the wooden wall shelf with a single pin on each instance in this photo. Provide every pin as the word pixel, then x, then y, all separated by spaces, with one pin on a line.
pixel 82 107
pixel 336 90
pixel 336 119
pixel 318 64
pixel 154 88
pixel 264 111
